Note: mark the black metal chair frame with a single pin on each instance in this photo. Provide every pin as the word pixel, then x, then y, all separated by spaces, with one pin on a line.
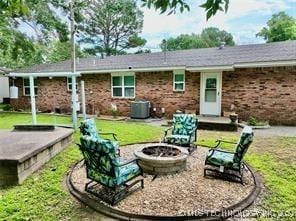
pixel 225 174
pixel 120 191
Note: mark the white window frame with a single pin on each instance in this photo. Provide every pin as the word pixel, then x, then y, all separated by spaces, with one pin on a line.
pixel 68 84
pixel 179 72
pixel 28 86
pixel 122 86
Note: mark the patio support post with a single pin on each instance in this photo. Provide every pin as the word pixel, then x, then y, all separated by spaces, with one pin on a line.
pixel 83 100
pixel 33 101
pixel 74 102
pixel 73 67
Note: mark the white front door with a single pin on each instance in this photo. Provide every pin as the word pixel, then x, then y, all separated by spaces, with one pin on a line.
pixel 210 93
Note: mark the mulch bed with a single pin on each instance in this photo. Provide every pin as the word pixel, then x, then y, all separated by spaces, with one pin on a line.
pixel 178 194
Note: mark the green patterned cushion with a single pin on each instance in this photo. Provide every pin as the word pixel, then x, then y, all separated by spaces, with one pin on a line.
pixel 102 162
pixel 88 127
pixel 218 158
pixel 184 124
pixel 126 172
pixel 244 143
pixel 177 139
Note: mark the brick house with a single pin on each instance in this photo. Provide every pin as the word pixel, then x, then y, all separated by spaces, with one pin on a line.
pixel 257 80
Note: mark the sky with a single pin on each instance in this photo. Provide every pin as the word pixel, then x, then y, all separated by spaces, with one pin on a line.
pixel 243 20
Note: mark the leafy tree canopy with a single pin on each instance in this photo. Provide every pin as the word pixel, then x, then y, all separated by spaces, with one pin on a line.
pixel 280 27
pixel 111 27
pixel 50 29
pixel 61 51
pixel 210 6
pixel 210 37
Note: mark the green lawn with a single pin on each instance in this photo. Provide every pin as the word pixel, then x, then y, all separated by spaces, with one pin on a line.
pixel 43 196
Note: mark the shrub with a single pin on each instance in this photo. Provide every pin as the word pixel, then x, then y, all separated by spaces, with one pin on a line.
pixel 252 121
pixel 7 107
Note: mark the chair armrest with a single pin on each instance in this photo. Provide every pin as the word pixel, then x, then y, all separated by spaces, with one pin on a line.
pixel 167 130
pixel 223 141
pixel 126 163
pixel 113 134
pixel 192 131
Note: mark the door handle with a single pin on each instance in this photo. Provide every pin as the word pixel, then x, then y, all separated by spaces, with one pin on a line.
pixel 218 93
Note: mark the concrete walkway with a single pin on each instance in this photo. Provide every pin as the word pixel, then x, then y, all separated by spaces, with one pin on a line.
pixel 276 131
pixel 273 131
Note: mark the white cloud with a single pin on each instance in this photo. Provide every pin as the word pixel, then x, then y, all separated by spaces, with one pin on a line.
pixel 156 26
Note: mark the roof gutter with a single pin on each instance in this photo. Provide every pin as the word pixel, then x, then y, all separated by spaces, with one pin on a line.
pixel 211 68
pixel 130 69
pixel 265 64
pixel 48 74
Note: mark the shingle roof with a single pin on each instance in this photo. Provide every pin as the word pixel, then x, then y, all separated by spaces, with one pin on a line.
pixel 4 70
pixel 204 57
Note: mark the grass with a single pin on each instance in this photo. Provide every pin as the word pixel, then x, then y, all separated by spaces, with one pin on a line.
pixel 275 159
pixel 43 195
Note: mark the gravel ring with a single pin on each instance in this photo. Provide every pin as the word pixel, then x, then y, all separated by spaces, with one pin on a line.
pixel 174 195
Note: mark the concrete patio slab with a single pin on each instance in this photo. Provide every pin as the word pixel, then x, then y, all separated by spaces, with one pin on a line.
pixel 24 152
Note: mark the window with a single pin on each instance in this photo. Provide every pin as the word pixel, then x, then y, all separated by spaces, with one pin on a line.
pixel 123 86
pixel 69 84
pixel 26 83
pixel 179 80
pixel 211 90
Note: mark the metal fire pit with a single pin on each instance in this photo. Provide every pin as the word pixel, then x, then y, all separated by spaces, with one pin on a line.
pixel 161 158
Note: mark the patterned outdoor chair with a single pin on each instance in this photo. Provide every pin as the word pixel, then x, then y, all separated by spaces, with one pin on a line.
pixel 228 163
pixel 104 167
pixel 88 127
pixel 183 130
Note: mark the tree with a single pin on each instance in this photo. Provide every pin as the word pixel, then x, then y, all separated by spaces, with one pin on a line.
pixel 143 51
pixel 280 27
pixel 18 7
pixel 183 41
pixel 13 8
pixel 17 50
pixel 112 26
pixel 210 37
pixel 213 37
pixel 45 21
pixel 210 6
pixel 61 51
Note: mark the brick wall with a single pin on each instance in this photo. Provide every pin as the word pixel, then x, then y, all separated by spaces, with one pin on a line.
pixel 51 93
pixel 265 93
pixel 156 87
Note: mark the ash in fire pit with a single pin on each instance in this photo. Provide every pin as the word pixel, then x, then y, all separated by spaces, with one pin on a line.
pixel 161 158
pixel 161 151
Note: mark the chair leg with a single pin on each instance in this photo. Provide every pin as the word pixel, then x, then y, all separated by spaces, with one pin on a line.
pixel 126 191
pixel 86 187
pixel 241 176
